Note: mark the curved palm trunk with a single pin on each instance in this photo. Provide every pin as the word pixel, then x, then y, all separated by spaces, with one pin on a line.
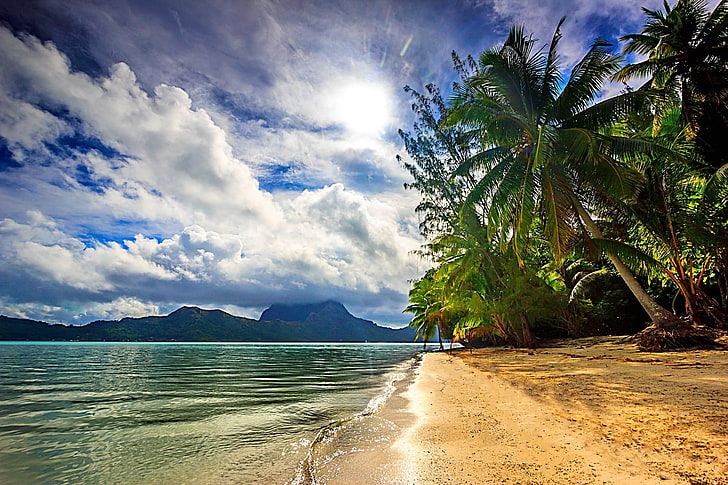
pixel 653 309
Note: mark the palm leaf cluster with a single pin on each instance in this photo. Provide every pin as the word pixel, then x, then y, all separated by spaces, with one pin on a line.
pixel 686 61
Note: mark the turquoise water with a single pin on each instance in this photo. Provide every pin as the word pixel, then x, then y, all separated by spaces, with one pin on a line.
pixel 117 413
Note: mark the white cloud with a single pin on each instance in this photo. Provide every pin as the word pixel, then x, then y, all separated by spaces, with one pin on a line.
pixel 79 314
pixel 118 309
pixel 32 311
pixel 195 254
pixel 40 248
pixel 580 28
pixel 25 127
pixel 210 234
pixel 173 151
pixel 347 244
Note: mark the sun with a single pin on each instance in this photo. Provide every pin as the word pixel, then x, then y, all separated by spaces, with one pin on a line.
pixel 363 108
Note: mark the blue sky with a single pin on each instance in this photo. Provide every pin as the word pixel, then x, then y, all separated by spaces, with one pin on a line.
pixel 228 154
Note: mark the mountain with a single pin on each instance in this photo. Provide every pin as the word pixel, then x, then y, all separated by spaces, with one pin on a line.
pixel 22 329
pixel 328 310
pixel 329 321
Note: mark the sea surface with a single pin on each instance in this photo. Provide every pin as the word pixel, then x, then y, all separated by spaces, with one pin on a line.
pixel 156 413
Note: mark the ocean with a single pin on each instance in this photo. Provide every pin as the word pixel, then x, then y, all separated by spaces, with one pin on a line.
pixel 174 413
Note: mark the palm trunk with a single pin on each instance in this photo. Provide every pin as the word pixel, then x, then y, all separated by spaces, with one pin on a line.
pixel 651 307
pixel 527 337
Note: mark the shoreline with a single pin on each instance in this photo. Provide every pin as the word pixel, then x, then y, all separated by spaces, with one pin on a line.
pixel 362 448
pixel 591 411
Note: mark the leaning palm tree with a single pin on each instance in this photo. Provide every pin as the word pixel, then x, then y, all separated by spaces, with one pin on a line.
pixel 544 155
pixel 686 49
pixel 673 227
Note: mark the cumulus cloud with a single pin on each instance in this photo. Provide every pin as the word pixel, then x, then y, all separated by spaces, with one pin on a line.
pixel 79 314
pixel 117 309
pixel 175 161
pixel 26 128
pixel 156 159
pixel 361 251
pixel 40 249
pixel 34 311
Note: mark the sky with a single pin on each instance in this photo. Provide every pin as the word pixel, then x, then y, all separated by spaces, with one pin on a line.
pixel 230 154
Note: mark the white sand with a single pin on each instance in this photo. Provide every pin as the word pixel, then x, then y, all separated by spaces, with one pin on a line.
pixel 590 412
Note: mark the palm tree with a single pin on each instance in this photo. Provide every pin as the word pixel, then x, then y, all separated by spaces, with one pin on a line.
pixel 673 230
pixel 687 60
pixel 493 295
pixel 544 154
pixel 715 201
pixel 426 302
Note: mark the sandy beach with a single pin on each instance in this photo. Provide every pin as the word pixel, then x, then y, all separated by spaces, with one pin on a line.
pixel 591 411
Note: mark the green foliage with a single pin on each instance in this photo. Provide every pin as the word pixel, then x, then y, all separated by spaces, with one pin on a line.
pixel 687 63
pixel 523 157
pixel 496 294
pixel 427 304
pixel 543 146
pixel 434 152
pixel 674 231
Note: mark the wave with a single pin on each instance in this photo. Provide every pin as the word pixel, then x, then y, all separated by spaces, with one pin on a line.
pixel 308 470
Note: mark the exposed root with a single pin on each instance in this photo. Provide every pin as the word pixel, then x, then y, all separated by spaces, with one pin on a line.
pixel 679 333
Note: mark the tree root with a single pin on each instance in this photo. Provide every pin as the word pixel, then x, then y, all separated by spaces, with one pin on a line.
pixel 679 333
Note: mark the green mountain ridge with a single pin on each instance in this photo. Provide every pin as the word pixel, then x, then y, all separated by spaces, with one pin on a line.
pixel 320 322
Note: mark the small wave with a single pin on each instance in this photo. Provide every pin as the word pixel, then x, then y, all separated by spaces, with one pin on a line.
pixel 306 474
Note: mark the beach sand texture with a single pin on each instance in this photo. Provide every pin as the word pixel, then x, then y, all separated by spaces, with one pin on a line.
pixel 590 411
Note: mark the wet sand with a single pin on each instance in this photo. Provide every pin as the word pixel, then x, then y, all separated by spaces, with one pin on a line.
pixel 591 411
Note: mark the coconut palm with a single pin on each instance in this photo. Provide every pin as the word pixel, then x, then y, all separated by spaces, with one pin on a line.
pixel 674 229
pixel 426 302
pixel 687 61
pixel 544 154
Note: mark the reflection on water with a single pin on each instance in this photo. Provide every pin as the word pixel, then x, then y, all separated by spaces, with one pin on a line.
pixel 177 413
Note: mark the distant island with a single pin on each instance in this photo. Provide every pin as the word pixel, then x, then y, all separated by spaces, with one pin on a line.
pixel 328 321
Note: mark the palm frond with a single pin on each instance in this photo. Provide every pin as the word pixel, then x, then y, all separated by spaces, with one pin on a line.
pixel 715 193
pixel 482 160
pixel 638 43
pixel 488 183
pixel 552 73
pixel 716 25
pixel 525 204
pixel 557 212
pixel 638 261
pixel 577 292
pixel 640 69
pixel 609 111
pixel 586 80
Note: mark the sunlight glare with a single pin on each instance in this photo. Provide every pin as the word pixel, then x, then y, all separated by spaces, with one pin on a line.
pixel 363 108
